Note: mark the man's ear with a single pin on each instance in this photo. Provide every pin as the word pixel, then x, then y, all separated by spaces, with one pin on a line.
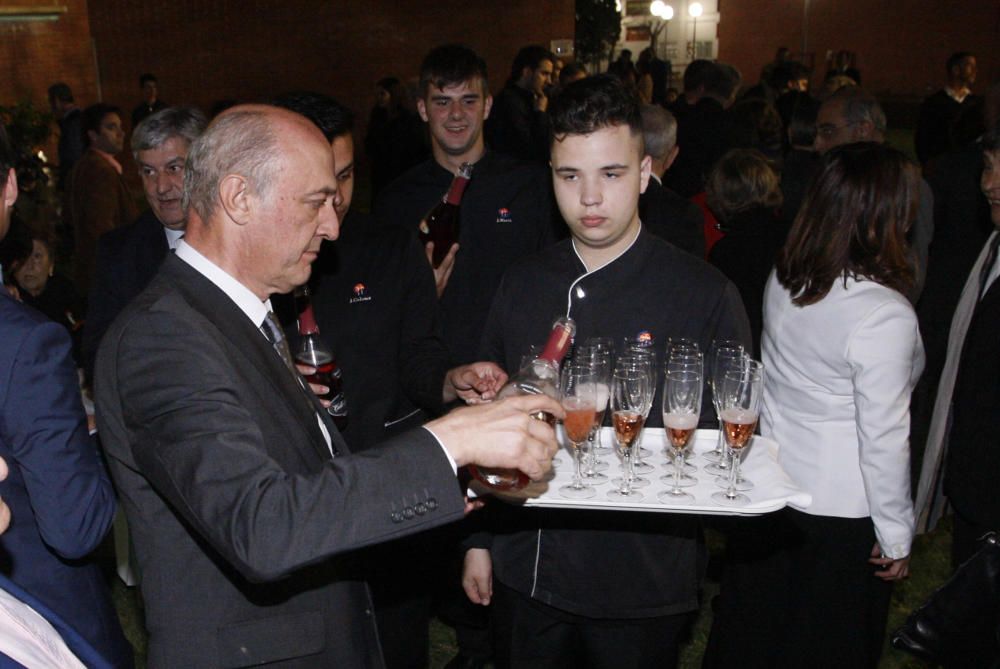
pixel 645 168
pixel 10 189
pixel 92 137
pixel 422 109
pixel 235 197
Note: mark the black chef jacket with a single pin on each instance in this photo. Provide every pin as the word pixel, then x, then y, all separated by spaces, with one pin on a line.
pixel 603 564
pixel 506 216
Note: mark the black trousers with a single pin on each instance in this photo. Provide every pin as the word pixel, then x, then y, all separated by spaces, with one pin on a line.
pixel 532 635
pixel 798 591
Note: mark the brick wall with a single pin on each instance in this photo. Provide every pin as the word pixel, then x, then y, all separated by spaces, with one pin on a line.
pixel 34 55
pixel 901 46
pixel 207 50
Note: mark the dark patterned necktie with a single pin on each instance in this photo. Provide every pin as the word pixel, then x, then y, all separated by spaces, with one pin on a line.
pixel 274 334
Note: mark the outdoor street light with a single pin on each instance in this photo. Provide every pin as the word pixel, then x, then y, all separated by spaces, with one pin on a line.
pixel 694 9
pixel 661 10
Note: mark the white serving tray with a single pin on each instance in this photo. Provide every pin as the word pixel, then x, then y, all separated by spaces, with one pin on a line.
pixel 772 490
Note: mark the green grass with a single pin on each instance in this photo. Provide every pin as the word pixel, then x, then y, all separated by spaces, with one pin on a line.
pixel 929 568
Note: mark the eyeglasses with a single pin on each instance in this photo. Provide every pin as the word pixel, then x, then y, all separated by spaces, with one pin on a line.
pixel 828 130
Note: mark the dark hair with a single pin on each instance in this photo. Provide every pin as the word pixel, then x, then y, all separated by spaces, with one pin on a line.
pixel 146 77
pixel 990 141
pixel 754 123
pixel 695 73
pixel 721 81
pixel 955 59
pixel 802 121
pixel 93 115
pixel 853 222
pixel 8 158
pixel 742 179
pixel 530 56
pixel 60 91
pixel 790 70
pixel 594 103
pixel 331 117
pixel 450 65
pixel 571 70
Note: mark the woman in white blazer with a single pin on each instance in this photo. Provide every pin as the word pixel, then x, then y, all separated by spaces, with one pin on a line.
pixel 842 353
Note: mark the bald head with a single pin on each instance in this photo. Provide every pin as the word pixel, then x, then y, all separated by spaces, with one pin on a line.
pixel 260 187
pixel 242 141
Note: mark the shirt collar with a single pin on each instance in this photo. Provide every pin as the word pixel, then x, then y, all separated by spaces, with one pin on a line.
pixel 244 298
pixel 173 237
pixel 957 94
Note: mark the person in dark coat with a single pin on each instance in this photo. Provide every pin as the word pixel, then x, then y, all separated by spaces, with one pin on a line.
pixel 744 194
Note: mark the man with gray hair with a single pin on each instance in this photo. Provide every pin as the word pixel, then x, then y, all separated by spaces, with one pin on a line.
pixel 662 211
pixel 851 115
pixel 128 257
pixel 243 500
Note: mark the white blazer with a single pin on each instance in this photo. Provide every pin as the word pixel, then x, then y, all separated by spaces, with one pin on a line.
pixel 838 378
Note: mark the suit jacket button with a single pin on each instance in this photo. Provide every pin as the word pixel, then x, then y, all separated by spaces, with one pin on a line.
pixel 420 508
pixel 432 503
pixel 396 516
pixel 408 512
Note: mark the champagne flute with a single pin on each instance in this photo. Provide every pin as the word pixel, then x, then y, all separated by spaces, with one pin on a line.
pixel 681 409
pixel 684 358
pixel 725 354
pixel 741 391
pixel 645 357
pixel 630 387
pixel 579 400
pixel 599 352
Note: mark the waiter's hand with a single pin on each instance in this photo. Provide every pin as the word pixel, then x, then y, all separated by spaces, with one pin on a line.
pixel 317 388
pixel 502 434
pixel 443 271
pixel 475 383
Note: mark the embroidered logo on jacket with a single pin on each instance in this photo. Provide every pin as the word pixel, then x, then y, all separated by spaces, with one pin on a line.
pixel 360 294
pixel 503 215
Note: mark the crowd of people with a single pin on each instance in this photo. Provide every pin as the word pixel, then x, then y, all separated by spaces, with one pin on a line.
pixel 262 532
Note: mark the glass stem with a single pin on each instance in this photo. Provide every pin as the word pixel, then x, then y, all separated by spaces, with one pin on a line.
pixel 720 446
pixel 626 488
pixel 577 480
pixel 678 465
pixel 591 454
pixel 734 468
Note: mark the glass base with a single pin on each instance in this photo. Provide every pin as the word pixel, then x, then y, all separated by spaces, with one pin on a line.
pixel 688 467
pixel 600 465
pixel 637 482
pixel 643 467
pixel 741 483
pixel 712 456
pixel 617 496
pixel 716 469
pixel 737 500
pixel 644 452
pixel 583 492
pixel 675 497
pixel 685 482
pixel 595 478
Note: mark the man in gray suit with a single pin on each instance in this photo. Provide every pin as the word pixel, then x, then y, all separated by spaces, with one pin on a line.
pixel 243 501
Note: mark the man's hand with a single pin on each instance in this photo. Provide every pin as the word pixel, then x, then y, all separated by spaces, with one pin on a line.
pixel 475 383
pixel 443 271
pixel 477 576
pixel 502 434
pixel 893 570
pixel 541 101
pixel 4 509
pixel 317 388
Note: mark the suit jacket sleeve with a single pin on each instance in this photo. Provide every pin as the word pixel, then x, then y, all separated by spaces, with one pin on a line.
pixel 883 353
pixel 44 423
pixel 237 465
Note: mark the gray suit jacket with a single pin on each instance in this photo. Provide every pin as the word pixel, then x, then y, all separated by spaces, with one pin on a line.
pixel 243 524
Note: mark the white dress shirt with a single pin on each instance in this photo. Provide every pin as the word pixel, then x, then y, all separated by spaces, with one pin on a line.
pixel 256 311
pixel 244 298
pixel 29 639
pixel 838 378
